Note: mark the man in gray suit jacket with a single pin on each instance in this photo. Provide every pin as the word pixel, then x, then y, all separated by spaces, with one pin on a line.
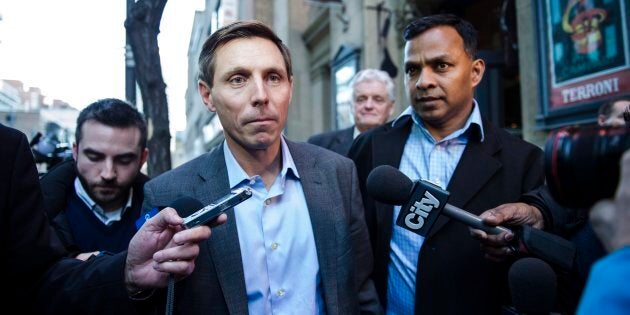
pixel 300 243
pixel 373 98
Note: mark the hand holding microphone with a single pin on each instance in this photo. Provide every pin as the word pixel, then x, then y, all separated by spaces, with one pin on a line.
pixel 499 247
pixel 422 203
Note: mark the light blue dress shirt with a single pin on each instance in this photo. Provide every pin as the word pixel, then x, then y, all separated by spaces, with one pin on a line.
pixel 423 158
pixel 277 243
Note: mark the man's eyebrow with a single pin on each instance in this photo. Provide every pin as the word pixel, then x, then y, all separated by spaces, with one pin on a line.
pixel 235 70
pixel 123 155
pixel 92 151
pixel 126 155
pixel 431 59
pixel 279 70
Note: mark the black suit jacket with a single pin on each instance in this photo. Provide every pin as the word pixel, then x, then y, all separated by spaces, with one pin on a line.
pixel 453 277
pixel 39 280
pixel 338 141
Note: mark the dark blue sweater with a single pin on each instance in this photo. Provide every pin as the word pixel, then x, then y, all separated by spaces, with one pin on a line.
pixel 90 234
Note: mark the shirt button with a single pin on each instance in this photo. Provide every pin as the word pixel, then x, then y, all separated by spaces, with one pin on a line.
pixel 252 181
pixel 280 292
pixel 268 202
pixel 274 246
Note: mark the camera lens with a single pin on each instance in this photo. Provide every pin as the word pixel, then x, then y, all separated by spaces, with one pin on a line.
pixel 582 164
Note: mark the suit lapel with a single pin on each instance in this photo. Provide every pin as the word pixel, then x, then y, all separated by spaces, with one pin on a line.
pixel 387 149
pixel 320 207
pixel 343 140
pixel 388 146
pixel 475 168
pixel 223 244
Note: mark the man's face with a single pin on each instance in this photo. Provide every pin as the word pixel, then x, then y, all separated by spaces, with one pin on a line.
pixel 251 92
pixel 616 115
pixel 108 160
pixel 440 77
pixel 372 106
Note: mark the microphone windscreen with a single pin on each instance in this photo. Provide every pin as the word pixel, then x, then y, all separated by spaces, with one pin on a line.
pixel 186 206
pixel 532 286
pixel 388 185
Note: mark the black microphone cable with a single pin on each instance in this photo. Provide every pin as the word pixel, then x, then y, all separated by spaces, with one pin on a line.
pixel 184 206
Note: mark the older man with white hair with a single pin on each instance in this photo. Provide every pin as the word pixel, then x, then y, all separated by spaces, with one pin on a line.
pixel 373 98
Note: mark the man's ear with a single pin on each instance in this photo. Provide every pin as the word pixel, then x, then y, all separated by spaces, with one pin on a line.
pixel 144 156
pixel 478 68
pixel 206 95
pixel 75 151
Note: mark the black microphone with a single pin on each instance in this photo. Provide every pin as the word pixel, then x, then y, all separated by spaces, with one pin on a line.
pixel 186 205
pixel 422 202
pixel 389 185
pixel 533 286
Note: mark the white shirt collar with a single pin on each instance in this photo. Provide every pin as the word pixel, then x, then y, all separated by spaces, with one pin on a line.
pixel 107 218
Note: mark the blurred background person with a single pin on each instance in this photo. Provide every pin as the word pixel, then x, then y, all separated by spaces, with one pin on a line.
pixel 42 281
pixel 94 200
pixel 612 112
pixel 373 98
pixel 606 291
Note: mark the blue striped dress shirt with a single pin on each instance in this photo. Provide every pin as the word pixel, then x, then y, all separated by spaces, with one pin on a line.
pixel 423 158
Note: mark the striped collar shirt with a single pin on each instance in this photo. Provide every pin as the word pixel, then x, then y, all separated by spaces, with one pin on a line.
pixel 109 217
pixel 423 158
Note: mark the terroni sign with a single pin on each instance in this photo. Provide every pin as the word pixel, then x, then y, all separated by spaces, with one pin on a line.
pixel 587 51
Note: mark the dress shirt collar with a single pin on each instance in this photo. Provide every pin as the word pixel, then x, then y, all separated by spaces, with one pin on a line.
pixel 474 119
pixel 355 132
pixel 105 217
pixel 237 175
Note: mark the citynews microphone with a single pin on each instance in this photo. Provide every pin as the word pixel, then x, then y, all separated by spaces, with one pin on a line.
pixel 533 287
pixel 422 203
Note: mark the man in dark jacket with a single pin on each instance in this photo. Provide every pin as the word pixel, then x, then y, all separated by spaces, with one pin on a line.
pixel 373 98
pixel 43 281
pixel 442 138
pixel 94 201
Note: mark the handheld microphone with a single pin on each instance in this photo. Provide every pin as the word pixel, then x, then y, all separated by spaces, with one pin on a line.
pixel 533 285
pixel 422 203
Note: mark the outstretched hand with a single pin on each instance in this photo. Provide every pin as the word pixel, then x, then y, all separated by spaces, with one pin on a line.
pixel 498 247
pixel 162 247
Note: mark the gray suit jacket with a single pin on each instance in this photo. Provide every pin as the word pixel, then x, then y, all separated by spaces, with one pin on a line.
pixel 331 189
